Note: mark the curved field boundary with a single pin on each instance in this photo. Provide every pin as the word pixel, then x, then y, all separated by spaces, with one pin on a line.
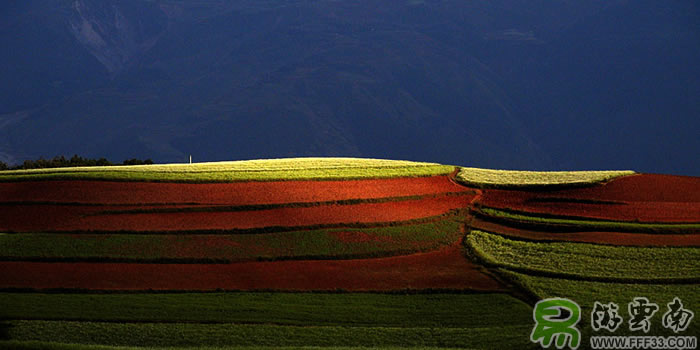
pixel 553 204
pixel 489 178
pixel 640 198
pixel 38 218
pixel 254 207
pixel 588 261
pixel 267 229
pixel 443 269
pixel 236 193
pixel 586 293
pixel 548 223
pixel 343 243
pixel 611 238
pixel 637 188
pixel 254 170
pixel 154 208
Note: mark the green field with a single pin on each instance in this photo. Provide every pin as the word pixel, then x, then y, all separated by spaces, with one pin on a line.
pixel 489 178
pixel 591 225
pixel 587 261
pixel 586 293
pixel 292 309
pixel 249 170
pixel 589 273
pixel 196 335
pixel 317 244
pixel 37 345
pixel 267 319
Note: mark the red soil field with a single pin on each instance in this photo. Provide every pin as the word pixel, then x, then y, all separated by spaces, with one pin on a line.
pixel 446 268
pixel 55 218
pixel 633 188
pixel 639 188
pixel 554 204
pixel 643 198
pixel 237 193
pixel 612 238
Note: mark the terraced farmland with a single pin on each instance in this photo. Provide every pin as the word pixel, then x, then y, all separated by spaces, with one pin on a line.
pixel 329 253
pixel 629 237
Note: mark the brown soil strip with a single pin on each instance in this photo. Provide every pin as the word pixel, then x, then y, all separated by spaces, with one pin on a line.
pixel 442 269
pixel 238 193
pixel 56 218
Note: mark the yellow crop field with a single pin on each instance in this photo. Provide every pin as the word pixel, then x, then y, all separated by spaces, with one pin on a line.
pixel 244 170
pixel 517 178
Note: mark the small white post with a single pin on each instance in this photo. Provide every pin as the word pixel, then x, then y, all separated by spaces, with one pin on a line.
pixel 190 159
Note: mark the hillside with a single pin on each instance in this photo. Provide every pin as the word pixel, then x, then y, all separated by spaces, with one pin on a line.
pixel 332 252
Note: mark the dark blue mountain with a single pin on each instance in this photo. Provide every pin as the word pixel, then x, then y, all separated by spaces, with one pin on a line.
pixel 505 84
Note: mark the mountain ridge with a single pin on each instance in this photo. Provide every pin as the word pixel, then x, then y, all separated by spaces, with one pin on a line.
pixel 444 81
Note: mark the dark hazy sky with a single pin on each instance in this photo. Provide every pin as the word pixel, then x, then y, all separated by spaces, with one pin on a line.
pixel 504 84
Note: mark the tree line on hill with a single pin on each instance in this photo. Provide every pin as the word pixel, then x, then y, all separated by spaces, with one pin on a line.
pixel 75 161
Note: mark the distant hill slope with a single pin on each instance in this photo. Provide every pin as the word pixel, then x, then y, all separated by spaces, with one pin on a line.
pixel 499 84
pixel 329 252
